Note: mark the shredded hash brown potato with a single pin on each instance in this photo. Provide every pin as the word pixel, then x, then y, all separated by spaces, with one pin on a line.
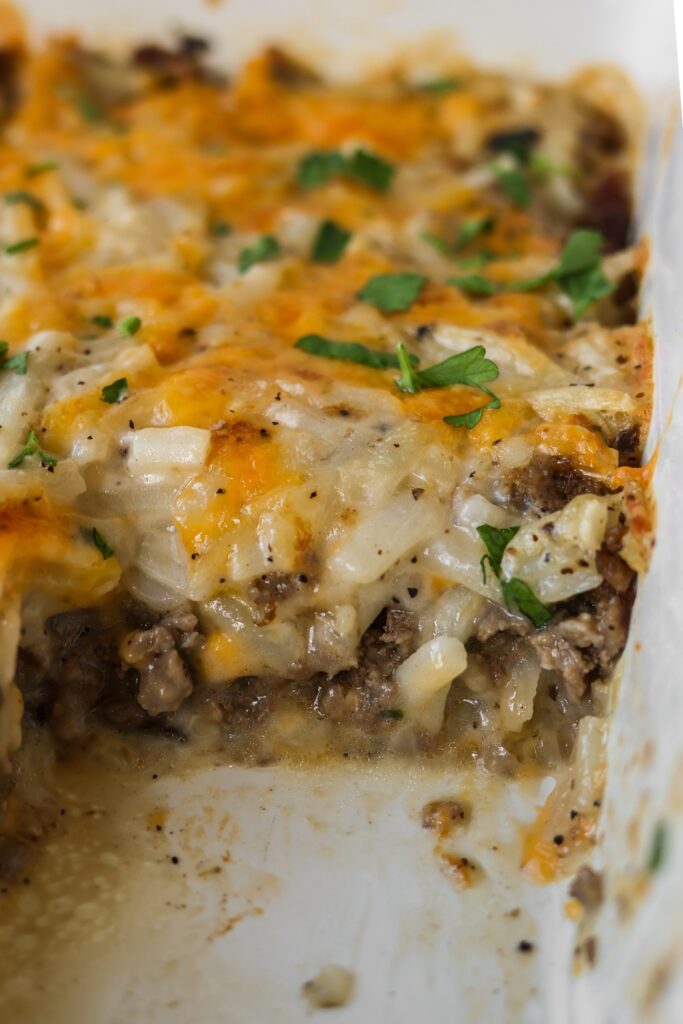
pixel 245 499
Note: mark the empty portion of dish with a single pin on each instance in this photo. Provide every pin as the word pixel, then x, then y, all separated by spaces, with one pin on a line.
pixel 322 406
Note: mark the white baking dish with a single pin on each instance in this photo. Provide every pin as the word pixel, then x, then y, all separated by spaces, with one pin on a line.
pixel 334 868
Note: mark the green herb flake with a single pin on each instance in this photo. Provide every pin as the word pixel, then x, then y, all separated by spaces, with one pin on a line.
pixel 116 391
pixel 22 246
pixel 100 543
pixel 129 326
pixel 515 185
pixel 408 381
pixel 17 364
pixel 220 228
pixel 471 229
pixel 20 196
pixel 102 321
pixel 4 348
pixel 495 539
pixel 476 284
pixel 370 169
pixel 394 713
pixel 89 109
pixel 520 597
pixel 659 846
pixel 471 418
pixel 438 243
pixel 263 250
pixel 349 351
pixel 441 86
pixel 34 170
pixel 330 242
pixel 32 447
pixel 471 368
pixel 392 293
pixel 318 168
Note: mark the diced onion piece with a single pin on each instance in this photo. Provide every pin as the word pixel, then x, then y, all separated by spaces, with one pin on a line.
pixel 424 680
pixel 154 449
pixel 555 555
pixel 382 538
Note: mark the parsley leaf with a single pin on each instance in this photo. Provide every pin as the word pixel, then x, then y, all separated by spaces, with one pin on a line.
pixel 408 381
pixel 495 539
pixel 658 848
pixel 100 543
pixel 220 228
pixel 440 86
pixel 319 167
pixel 263 250
pixel 476 284
pixel 18 363
pixel 471 418
pixel 578 273
pixel 515 185
pixel 33 170
pixel 102 321
pixel 471 368
pixel 116 391
pixel 519 596
pixel 89 109
pixel 21 246
pixel 471 229
pixel 32 447
pixel 370 169
pixel 438 243
pixel 350 351
pixel 329 242
pixel 129 326
pixel 392 293
pixel 20 196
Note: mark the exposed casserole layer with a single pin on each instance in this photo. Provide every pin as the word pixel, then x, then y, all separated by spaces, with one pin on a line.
pixel 321 408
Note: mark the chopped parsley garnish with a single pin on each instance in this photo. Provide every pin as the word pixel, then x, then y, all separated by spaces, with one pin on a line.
pixel 441 86
pixel 395 713
pixel 515 184
pixel 471 418
pixel 129 326
pixel 17 363
pixel 370 169
pixel 263 250
pixel 319 167
pixel 33 170
pixel 20 196
pixel 470 368
pixel 392 293
pixel 100 543
pixel 330 242
pixel 116 391
pixel 31 448
pixel 21 246
pixel 89 109
pixel 471 229
pixel 220 228
pixel 658 847
pixel 495 539
pixel 349 351
pixel 578 273
pixel 100 320
pixel 517 594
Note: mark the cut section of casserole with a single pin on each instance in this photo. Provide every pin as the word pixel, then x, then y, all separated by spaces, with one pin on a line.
pixel 321 406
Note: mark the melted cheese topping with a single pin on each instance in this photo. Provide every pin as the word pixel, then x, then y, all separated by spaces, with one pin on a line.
pixel 234 457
